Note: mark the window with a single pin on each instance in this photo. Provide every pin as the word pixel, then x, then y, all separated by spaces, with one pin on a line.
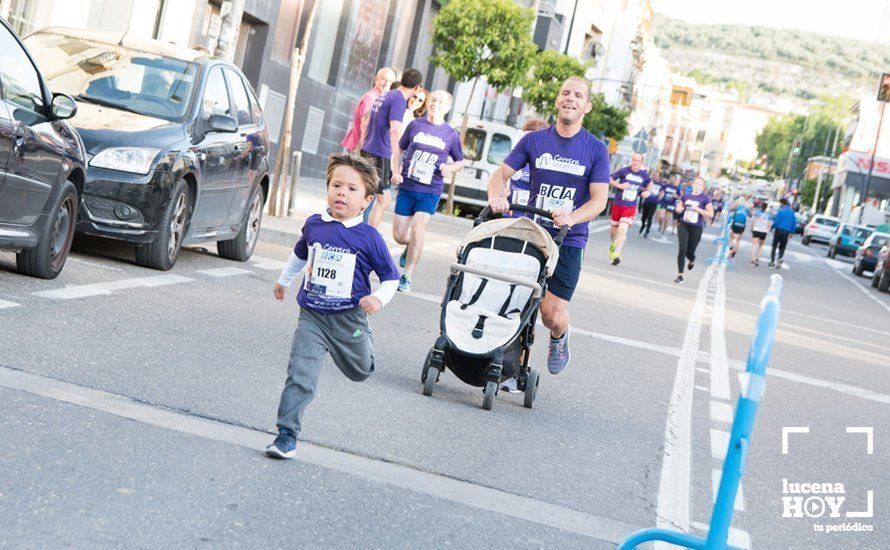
pixel 501 146
pixel 324 40
pixel 216 96
pixel 239 96
pixel 21 85
pixel 473 143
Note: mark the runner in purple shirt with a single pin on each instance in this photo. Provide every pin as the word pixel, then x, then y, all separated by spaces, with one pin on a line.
pixel 631 183
pixel 361 113
pixel 427 143
pixel 569 176
pixel 384 129
pixel 693 208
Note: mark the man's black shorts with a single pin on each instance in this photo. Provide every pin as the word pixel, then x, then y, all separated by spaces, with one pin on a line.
pixel 384 170
pixel 568 270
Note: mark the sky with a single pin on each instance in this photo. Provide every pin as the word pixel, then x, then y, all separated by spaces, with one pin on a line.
pixel 861 19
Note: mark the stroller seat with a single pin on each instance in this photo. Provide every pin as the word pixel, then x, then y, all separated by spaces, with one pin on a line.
pixel 486 314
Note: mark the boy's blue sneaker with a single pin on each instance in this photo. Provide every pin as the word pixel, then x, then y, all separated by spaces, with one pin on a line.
pixel 403 259
pixel 404 283
pixel 558 355
pixel 284 446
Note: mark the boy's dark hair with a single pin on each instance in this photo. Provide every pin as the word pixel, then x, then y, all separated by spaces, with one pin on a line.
pixel 783 201
pixel 364 168
pixel 411 78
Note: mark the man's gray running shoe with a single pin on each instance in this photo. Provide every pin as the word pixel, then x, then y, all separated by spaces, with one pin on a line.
pixel 558 355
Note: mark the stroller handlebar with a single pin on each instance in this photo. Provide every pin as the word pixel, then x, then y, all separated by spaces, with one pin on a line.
pixel 536 288
pixel 486 213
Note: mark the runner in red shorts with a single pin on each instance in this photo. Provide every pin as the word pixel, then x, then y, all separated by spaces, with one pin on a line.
pixel 631 183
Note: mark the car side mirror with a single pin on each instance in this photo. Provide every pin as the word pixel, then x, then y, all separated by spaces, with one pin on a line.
pixel 222 123
pixel 63 106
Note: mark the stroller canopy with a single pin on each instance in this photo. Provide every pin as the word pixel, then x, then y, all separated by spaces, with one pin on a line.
pixel 519 228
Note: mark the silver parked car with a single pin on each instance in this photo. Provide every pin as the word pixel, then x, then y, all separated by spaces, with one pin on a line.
pixel 820 228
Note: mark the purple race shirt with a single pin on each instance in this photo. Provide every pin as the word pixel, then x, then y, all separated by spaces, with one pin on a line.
pixel 637 182
pixel 654 189
pixel 519 191
pixel 560 173
pixel 391 108
pixel 427 146
pixel 340 260
pixel 669 200
pixel 690 217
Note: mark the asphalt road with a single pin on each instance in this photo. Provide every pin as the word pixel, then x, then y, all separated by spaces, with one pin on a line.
pixel 137 404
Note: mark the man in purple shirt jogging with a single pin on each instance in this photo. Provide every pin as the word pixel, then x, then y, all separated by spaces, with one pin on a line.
pixel 569 177
pixel 383 130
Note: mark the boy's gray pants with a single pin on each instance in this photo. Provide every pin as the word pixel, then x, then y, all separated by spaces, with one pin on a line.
pixel 346 336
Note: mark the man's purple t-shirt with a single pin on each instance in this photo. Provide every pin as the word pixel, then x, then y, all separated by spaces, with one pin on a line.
pixel 560 173
pixel 427 146
pixel 340 259
pixel 669 200
pixel 382 113
pixel 654 189
pixel 689 216
pixel 637 182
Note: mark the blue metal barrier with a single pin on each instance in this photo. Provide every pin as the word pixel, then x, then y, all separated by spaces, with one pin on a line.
pixel 753 383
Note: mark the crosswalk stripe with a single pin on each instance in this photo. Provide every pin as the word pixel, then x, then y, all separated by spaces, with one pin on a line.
pixel 4 304
pixel 719 443
pixel 99 289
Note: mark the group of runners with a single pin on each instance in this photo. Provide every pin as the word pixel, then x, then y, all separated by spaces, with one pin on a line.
pixel 402 139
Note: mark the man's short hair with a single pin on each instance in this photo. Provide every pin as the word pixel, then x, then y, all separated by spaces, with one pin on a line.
pixel 411 78
pixel 534 124
pixel 364 168
pixel 580 79
pixel 783 201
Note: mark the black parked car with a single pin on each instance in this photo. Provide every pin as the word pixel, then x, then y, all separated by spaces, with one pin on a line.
pixel 867 255
pixel 176 142
pixel 42 164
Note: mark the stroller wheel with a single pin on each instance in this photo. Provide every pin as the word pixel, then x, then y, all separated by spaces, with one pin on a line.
pixel 432 375
pixel 531 389
pixel 491 388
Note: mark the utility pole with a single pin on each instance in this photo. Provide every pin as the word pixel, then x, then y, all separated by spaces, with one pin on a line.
pixel 871 165
pixel 571 26
pixel 279 177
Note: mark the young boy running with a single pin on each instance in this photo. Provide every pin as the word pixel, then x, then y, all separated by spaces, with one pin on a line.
pixel 335 297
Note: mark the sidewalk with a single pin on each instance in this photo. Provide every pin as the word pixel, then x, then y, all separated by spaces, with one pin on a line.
pixel 311 199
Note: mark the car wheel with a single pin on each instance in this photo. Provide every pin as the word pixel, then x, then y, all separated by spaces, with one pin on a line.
pixel 875 275
pixel 884 281
pixel 832 252
pixel 47 259
pixel 163 252
pixel 806 241
pixel 858 269
pixel 241 247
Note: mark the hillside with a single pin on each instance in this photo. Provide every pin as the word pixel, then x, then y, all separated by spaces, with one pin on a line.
pixel 774 61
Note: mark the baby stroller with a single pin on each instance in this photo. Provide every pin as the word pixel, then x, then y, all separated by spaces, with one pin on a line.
pixel 487 324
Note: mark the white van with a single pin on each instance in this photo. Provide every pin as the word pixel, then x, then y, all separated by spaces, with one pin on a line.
pixel 485 146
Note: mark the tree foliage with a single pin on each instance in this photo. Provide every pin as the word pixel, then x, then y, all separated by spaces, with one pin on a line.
pixel 490 39
pixel 606 121
pixel 815 137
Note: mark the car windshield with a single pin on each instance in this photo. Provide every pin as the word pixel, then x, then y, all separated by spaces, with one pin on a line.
pixel 115 76
pixel 880 240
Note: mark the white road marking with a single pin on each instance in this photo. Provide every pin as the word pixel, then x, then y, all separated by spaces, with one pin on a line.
pixel 737 537
pixel 98 289
pixel 721 412
pixel 719 363
pixel 719 444
pixel 4 304
pixel 835 264
pixel 673 489
pixel 739 503
pixel 871 295
pixel 701 388
pixel 600 228
pixel 388 473
pixel 261 262
pixel 703 371
pixel 225 271
pixel 91 264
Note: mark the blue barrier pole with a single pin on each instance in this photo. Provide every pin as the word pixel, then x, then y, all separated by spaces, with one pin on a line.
pixel 734 465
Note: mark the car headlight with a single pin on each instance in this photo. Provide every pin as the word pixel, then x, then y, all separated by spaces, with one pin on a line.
pixel 137 160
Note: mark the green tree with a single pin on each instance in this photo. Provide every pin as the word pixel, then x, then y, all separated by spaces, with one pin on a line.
pixel 815 136
pixel 491 39
pixel 606 121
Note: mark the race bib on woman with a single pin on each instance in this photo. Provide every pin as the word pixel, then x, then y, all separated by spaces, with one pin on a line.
pixel 421 172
